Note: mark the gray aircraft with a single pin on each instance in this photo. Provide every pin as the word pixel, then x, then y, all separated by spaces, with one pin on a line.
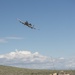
pixel 27 24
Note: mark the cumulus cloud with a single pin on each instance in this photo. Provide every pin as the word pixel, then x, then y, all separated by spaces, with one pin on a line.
pixel 35 60
pixel 24 56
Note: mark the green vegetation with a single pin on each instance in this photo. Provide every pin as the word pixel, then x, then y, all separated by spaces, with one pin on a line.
pixel 8 70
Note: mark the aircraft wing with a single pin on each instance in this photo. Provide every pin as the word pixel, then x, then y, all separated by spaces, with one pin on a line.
pixel 20 21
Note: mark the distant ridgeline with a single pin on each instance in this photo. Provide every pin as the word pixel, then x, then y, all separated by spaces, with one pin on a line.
pixel 9 70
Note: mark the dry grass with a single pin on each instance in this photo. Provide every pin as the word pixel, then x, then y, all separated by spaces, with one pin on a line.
pixel 8 70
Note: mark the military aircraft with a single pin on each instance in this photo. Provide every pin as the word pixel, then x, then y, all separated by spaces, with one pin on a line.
pixel 27 24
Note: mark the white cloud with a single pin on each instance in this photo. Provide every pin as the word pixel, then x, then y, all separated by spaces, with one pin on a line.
pixel 28 59
pixel 3 41
pixel 14 38
pixel 6 39
pixel 24 55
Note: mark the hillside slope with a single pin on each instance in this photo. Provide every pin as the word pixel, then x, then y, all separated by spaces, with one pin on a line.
pixel 8 70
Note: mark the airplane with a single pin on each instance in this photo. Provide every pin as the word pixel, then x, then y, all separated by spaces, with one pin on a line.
pixel 27 24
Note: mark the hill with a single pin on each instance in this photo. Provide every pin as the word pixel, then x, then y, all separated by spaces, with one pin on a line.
pixel 8 70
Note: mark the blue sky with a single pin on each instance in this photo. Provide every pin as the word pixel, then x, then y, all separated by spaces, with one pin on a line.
pixel 54 18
